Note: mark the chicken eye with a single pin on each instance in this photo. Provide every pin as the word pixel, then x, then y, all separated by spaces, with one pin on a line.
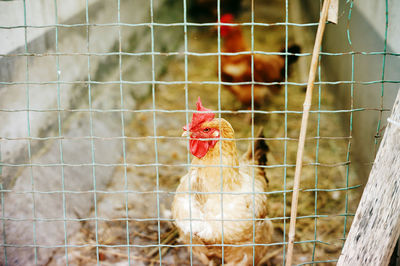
pixel 206 129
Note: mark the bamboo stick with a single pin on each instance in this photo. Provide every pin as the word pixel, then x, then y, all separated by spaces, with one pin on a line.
pixel 303 130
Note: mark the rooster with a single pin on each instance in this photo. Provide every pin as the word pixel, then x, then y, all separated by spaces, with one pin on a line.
pixel 196 208
pixel 237 68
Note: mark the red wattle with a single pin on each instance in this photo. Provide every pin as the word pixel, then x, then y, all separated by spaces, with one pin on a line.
pixel 198 148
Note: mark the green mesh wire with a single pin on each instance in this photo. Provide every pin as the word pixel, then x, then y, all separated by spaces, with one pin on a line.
pixel 89 82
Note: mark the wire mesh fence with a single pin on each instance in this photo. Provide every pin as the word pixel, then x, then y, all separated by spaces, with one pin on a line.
pixel 92 113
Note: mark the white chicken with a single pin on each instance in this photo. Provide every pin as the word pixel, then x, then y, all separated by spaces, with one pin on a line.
pixel 237 217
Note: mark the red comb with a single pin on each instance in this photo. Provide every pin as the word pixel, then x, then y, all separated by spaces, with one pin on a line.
pixel 199 118
pixel 227 18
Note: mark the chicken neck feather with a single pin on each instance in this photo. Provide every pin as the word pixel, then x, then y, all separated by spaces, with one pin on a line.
pixel 208 168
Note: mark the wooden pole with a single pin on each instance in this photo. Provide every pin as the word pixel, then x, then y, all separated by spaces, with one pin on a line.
pixel 376 225
pixel 303 130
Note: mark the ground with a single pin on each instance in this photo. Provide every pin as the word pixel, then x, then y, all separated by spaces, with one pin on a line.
pixel 143 192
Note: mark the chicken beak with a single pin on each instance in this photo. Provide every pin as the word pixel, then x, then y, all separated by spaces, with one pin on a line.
pixel 185 133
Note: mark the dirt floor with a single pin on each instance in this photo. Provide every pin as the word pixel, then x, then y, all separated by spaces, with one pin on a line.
pixel 133 193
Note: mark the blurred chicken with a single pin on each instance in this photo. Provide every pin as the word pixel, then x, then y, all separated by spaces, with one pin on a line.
pixel 200 215
pixel 237 68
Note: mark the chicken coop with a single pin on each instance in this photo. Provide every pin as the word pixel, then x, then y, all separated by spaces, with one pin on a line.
pixel 94 96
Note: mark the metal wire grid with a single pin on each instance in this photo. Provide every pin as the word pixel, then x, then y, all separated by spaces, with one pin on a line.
pixel 89 82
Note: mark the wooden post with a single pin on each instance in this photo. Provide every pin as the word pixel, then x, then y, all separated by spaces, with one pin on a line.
pixel 376 225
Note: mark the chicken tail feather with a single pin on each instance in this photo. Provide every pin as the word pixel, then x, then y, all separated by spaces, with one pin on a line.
pixel 260 152
pixel 293 49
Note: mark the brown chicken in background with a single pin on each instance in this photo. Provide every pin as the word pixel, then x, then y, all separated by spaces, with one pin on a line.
pixel 244 205
pixel 237 68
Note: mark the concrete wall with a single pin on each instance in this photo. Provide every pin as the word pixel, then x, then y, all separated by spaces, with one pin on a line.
pixel 367 32
pixel 12 14
pixel 40 216
pixel 375 11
